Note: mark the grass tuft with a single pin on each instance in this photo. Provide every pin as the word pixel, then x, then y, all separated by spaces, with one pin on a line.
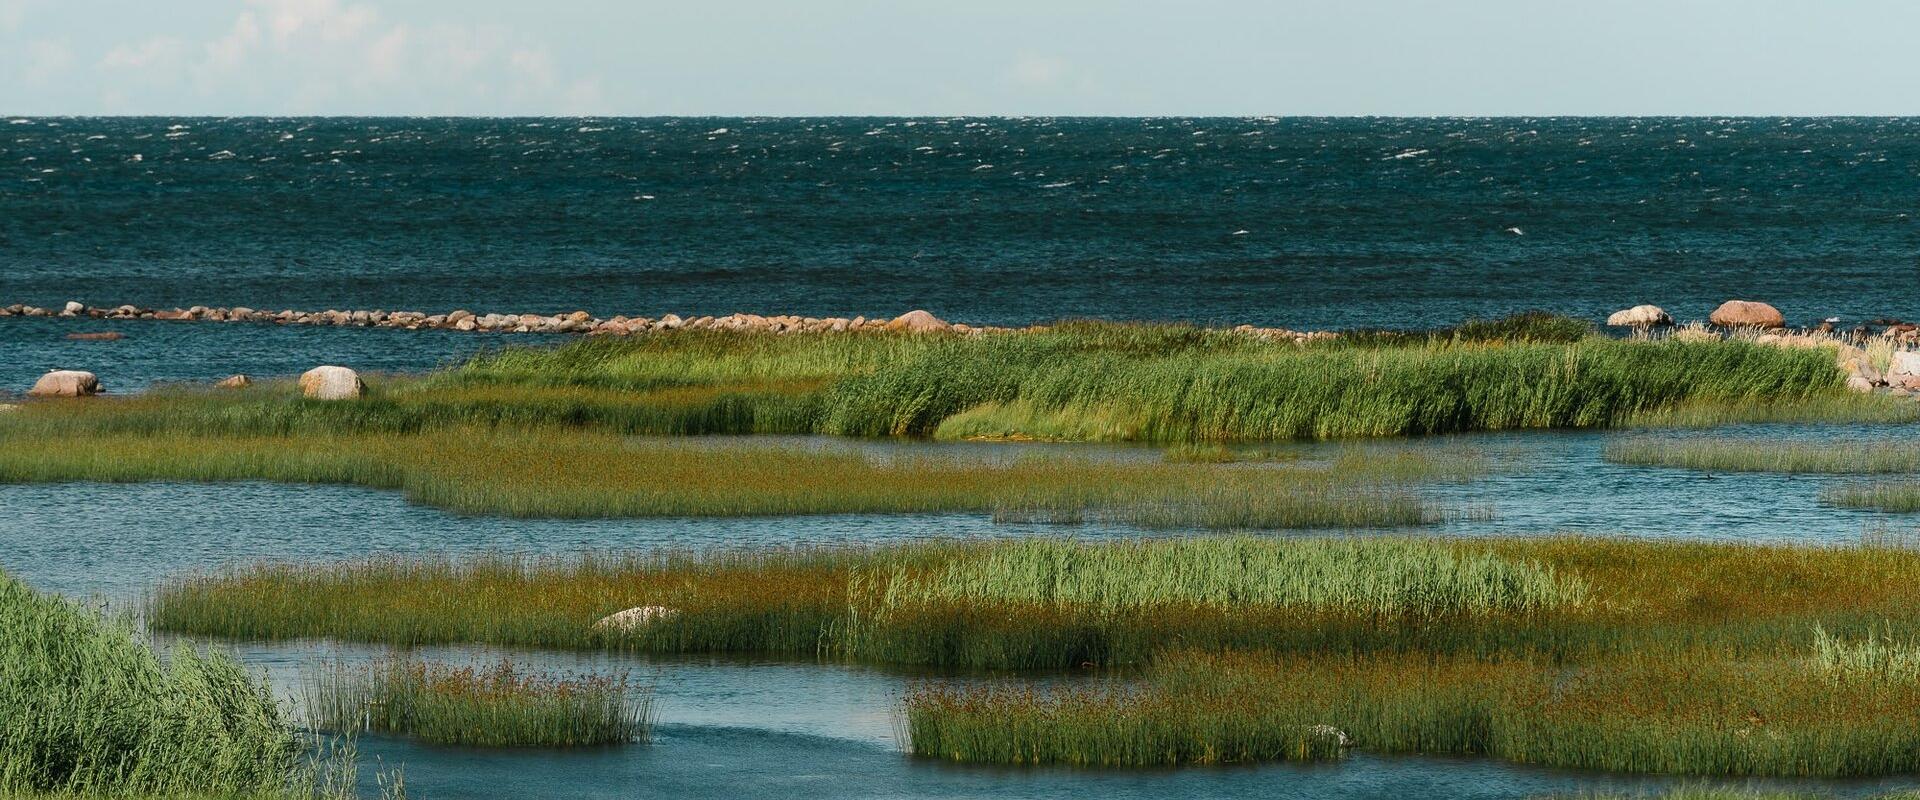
pixel 500 706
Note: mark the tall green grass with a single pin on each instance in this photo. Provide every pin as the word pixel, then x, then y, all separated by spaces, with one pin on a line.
pixel 500 706
pixel 87 709
pixel 1075 381
pixel 1386 577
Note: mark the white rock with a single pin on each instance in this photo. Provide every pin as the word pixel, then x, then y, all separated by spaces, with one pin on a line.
pixel 74 307
pixel 332 383
pixel 1641 316
pixel 634 618
pixel 65 383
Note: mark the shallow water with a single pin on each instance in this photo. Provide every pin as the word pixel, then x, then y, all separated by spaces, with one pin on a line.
pixel 733 728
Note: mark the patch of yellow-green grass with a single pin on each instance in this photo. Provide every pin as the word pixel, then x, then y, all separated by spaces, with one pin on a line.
pixel 1760 455
pixel 571 473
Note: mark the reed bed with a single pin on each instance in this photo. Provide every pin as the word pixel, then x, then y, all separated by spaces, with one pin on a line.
pixel 574 473
pixel 1687 714
pixel 1073 381
pixel 88 710
pixel 1896 497
pixel 1604 597
pixel 1708 659
pixel 499 706
pixel 1755 455
pixel 1384 577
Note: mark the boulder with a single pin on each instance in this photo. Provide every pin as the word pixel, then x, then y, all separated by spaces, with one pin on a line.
pixel 1641 316
pixel 918 321
pixel 65 383
pixel 634 619
pixel 102 336
pixel 235 382
pixel 1904 371
pixel 332 383
pixel 1747 314
pixel 73 308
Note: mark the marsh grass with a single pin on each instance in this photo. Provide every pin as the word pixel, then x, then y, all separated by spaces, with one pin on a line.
pixel 1385 577
pixel 1895 497
pixel 499 706
pixel 1074 381
pixel 1881 656
pixel 1759 455
pixel 1624 655
pixel 86 709
pixel 573 473
pixel 1677 713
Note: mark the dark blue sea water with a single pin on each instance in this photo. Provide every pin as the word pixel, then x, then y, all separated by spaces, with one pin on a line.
pixel 1307 223
pixel 1299 222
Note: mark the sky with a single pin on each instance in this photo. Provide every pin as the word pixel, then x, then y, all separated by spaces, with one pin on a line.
pixel 959 57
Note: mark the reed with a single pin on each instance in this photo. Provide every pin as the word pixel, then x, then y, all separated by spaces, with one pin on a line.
pixel 86 709
pixel 1896 497
pixel 1686 713
pixel 572 473
pixel 1073 381
pixel 500 706
pixel 1605 597
pixel 1385 577
pixel 1755 455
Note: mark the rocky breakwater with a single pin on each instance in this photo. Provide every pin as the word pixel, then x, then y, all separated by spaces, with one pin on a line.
pixel 579 322
pixel 576 322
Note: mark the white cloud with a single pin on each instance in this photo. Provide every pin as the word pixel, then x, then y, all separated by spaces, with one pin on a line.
pixel 329 56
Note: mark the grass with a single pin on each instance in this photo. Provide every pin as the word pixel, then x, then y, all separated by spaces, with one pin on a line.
pixel 1708 659
pixel 1685 713
pixel 1074 381
pixel 500 706
pixel 1757 455
pixel 1903 498
pixel 573 473
pixel 86 709
pixel 1385 577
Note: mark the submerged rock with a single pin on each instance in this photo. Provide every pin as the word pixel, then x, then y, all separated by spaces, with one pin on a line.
pixel 332 383
pixel 101 336
pixel 1747 314
pixel 918 321
pixel 1641 316
pixel 634 618
pixel 66 383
